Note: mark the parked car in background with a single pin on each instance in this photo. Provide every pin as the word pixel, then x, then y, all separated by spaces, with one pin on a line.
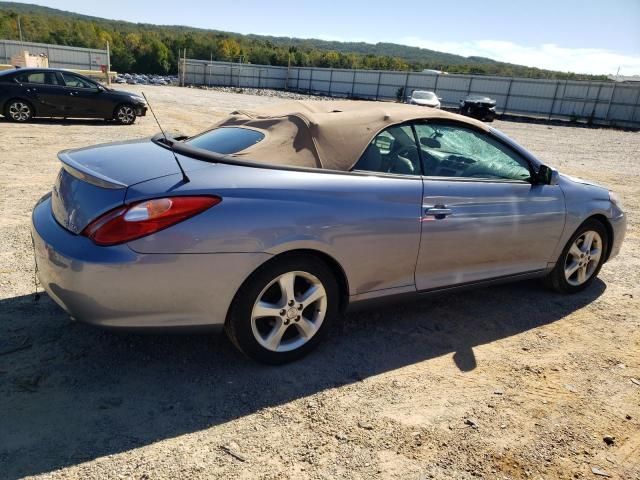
pixel 425 99
pixel 479 107
pixel 46 92
pixel 144 79
pixel 274 221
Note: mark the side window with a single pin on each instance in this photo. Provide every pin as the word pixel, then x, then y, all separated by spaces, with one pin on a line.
pixel 393 150
pixel 457 151
pixel 74 81
pixel 36 77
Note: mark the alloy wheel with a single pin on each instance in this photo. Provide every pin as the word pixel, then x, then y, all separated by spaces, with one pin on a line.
pixel 20 111
pixel 126 115
pixel 289 311
pixel 583 258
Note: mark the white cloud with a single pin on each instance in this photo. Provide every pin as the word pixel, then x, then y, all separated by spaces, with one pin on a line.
pixel 548 55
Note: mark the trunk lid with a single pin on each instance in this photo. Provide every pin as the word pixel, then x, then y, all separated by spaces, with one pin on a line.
pixel 94 180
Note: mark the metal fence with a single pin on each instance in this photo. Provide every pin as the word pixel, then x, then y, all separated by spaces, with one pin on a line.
pixel 608 103
pixel 59 56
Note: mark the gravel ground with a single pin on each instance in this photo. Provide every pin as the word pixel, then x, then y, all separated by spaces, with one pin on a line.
pixel 266 92
pixel 506 382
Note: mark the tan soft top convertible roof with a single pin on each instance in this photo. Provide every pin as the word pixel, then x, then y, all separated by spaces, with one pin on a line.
pixel 325 134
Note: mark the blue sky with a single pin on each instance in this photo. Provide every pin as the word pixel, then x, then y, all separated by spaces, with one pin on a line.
pixel 591 36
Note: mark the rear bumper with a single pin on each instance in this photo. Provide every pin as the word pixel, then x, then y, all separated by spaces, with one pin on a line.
pixel 118 288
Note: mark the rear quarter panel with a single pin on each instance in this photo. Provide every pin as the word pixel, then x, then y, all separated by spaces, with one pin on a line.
pixel 369 224
pixel 8 90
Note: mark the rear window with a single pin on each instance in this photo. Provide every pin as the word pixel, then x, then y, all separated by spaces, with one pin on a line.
pixel 31 78
pixel 48 78
pixel 226 139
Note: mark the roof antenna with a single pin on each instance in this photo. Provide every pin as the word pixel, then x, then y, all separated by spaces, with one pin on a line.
pixel 185 179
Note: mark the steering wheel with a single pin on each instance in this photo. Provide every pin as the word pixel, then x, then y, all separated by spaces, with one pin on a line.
pixel 404 160
pixel 410 152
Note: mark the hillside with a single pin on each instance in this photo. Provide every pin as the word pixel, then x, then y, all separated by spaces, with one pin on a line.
pixel 147 48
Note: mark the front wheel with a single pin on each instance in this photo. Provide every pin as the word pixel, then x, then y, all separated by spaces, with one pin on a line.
pixel 125 114
pixel 284 309
pixel 19 111
pixel 581 259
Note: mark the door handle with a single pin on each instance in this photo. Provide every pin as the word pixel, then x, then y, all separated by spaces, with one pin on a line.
pixel 438 211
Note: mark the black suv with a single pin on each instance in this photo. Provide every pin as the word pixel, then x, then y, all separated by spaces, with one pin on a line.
pixel 478 106
pixel 45 92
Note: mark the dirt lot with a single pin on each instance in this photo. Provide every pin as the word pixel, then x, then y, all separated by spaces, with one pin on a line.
pixel 506 382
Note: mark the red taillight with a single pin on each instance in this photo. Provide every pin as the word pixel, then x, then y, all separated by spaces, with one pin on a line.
pixel 144 218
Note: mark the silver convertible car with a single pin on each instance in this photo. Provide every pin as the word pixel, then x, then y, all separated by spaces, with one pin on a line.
pixel 276 220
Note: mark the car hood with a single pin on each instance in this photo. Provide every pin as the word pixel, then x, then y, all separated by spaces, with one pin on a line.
pixel 581 181
pixel 426 103
pixel 479 99
pixel 124 93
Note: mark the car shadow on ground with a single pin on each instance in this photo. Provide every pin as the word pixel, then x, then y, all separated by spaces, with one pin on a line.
pixel 70 393
pixel 64 121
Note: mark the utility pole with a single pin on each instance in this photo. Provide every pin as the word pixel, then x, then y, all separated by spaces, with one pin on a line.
pixel 108 65
pixel 184 66
pixel 20 30
pixel 286 83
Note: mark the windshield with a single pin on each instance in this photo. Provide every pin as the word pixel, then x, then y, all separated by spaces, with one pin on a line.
pixel 226 140
pixel 424 95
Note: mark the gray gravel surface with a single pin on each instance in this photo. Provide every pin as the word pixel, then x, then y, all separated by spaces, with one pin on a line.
pixel 265 92
pixel 506 382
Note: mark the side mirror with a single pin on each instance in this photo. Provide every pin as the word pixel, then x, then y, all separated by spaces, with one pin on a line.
pixel 547 175
pixel 100 88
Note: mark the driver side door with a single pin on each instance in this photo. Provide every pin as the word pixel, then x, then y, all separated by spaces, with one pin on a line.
pixel 482 218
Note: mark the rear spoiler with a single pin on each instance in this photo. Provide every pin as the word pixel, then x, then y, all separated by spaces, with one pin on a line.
pixel 86 175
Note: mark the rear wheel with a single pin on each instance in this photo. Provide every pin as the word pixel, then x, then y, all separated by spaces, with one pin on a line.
pixel 18 111
pixel 581 259
pixel 125 114
pixel 284 309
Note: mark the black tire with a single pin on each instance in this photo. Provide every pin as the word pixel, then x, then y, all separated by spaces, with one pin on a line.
pixel 557 279
pixel 240 325
pixel 18 110
pixel 125 114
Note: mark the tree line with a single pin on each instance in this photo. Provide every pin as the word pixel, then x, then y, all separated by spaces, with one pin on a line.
pixel 145 48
